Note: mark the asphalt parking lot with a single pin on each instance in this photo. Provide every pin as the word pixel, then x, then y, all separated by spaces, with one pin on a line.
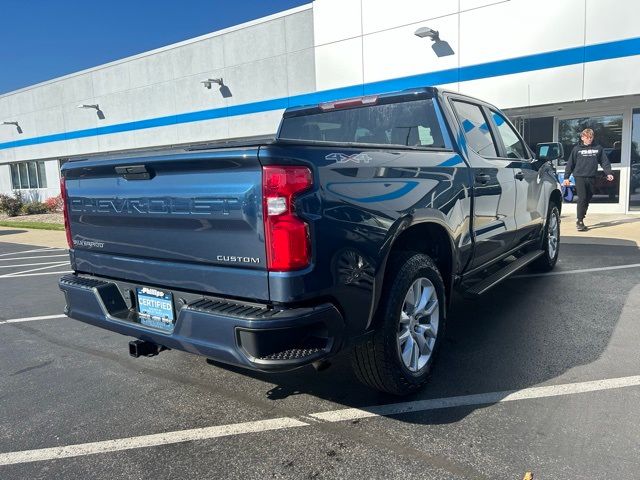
pixel 541 374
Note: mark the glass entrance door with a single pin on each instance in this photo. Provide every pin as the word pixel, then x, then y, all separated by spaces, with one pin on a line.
pixel 634 170
pixel 608 133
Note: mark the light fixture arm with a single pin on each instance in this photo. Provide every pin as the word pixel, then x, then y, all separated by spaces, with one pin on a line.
pixel 14 124
pixel 210 81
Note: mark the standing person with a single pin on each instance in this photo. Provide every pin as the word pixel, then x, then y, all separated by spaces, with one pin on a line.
pixel 583 164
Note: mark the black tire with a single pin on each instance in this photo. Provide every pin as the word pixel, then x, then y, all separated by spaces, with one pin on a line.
pixel 377 362
pixel 548 261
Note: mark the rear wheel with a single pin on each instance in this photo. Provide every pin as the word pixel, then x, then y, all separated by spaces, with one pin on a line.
pixel 550 241
pixel 411 320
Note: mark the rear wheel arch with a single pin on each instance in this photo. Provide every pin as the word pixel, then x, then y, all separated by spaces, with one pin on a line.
pixel 380 360
pixel 429 237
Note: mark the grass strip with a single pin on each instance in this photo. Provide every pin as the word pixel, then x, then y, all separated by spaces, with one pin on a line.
pixel 34 225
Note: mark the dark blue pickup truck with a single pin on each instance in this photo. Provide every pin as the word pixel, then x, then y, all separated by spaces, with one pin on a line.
pixel 350 230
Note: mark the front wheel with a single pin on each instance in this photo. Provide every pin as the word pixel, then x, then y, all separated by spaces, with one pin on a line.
pixel 410 325
pixel 550 241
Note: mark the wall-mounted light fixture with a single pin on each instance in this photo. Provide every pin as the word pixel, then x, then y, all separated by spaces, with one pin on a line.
pixel 210 81
pixel 94 106
pixel 224 90
pixel 426 32
pixel 15 124
pixel 440 47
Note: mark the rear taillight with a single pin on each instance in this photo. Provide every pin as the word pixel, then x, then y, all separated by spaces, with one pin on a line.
pixel 65 211
pixel 286 235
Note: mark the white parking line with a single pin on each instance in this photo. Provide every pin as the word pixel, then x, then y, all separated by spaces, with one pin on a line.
pixel 47 249
pixel 31 258
pixel 149 440
pixel 31 319
pixel 582 270
pixel 179 436
pixel 31 264
pixel 479 399
pixel 22 272
pixel 35 274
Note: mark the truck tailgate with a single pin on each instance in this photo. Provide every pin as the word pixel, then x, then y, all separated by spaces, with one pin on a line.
pixel 186 221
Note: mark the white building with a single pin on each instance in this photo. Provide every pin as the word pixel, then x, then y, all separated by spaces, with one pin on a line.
pixel 555 66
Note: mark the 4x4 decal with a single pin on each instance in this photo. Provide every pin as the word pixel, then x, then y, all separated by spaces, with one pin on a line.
pixel 344 158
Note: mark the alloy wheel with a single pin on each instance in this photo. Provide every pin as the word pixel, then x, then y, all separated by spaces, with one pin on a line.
pixel 418 326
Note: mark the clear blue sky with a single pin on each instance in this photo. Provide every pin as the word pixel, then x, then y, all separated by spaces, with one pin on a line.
pixel 44 39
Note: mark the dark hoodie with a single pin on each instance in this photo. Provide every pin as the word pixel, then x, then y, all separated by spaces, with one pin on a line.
pixel 584 160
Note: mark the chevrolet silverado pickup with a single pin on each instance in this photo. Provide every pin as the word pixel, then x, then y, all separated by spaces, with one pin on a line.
pixel 349 231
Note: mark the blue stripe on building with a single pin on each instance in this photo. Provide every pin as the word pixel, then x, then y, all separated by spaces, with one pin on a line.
pixel 540 61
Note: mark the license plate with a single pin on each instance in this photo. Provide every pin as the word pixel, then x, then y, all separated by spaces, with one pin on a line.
pixel 155 308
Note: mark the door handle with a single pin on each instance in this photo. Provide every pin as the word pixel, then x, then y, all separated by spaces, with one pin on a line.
pixel 482 178
pixel 519 176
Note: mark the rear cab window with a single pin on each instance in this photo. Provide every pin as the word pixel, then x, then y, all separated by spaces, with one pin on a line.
pixel 415 123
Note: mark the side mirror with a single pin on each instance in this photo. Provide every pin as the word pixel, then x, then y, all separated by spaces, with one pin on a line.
pixel 550 151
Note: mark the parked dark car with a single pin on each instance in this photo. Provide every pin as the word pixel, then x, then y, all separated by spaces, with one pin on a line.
pixel 349 231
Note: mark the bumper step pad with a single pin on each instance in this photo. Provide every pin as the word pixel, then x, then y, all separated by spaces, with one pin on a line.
pixel 293 354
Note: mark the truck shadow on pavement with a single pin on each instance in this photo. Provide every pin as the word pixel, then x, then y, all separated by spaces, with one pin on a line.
pixel 11 232
pixel 523 333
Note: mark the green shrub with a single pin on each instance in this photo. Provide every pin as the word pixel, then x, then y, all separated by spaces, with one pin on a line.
pixel 34 208
pixel 12 206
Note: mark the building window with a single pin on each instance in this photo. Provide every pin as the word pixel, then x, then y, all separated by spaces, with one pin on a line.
pixel 607 130
pixel 634 174
pixel 608 134
pixel 28 175
pixel 534 130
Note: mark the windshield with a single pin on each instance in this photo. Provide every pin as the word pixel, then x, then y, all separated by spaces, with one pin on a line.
pixel 412 124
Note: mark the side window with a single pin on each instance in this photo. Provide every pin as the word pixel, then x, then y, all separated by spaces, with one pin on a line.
pixel 514 146
pixel 476 128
